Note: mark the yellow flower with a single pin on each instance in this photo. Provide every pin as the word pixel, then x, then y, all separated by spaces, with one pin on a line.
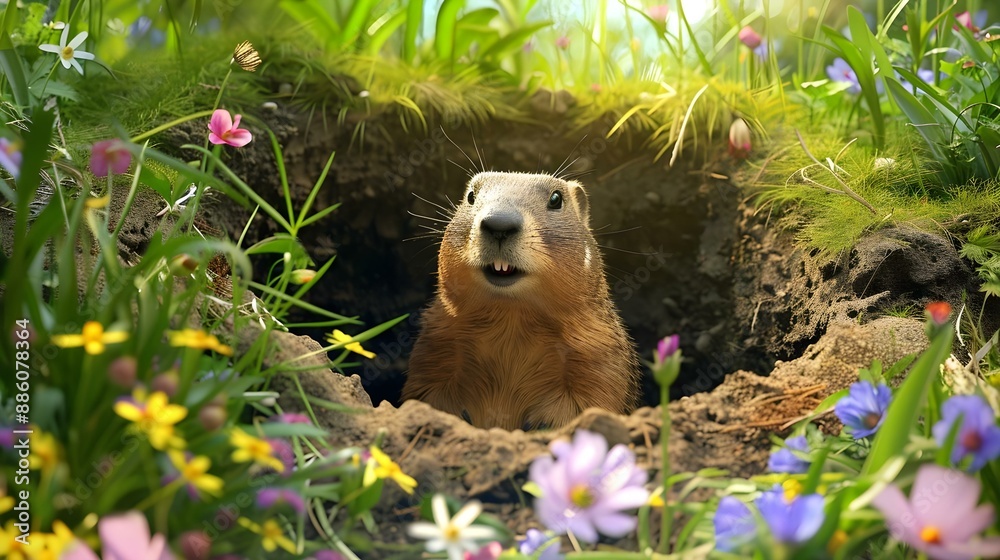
pixel 50 546
pixel 45 451
pixel 656 498
pixel 93 338
pixel 155 417
pixel 97 203
pixel 792 489
pixel 249 448
pixel 837 540
pixel 195 472
pixel 381 467
pixel 338 337
pixel 10 546
pixel 271 533
pixel 193 338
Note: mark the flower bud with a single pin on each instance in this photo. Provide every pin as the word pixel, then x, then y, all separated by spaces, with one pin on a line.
pixel 183 264
pixel 739 139
pixel 938 312
pixel 166 382
pixel 122 371
pixel 303 276
pixel 195 545
pixel 667 360
pixel 212 417
pixel 749 37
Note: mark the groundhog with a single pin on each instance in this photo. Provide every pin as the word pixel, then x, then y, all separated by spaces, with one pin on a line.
pixel 522 332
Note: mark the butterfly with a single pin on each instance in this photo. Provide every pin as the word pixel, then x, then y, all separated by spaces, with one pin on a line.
pixel 246 56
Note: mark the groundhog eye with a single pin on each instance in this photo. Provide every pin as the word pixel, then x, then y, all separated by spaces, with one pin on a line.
pixel 555 201
pixel 471 197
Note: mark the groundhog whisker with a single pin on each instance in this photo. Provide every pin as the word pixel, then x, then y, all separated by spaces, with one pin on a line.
pixel 642 254
pixel 468 172
pixel 563 166
pixel 429 218
pixel 482 165
pixel 463 152
pixel 598 232
pixel 447 214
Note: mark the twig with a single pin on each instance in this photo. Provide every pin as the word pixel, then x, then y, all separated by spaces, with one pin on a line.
pixel 844 189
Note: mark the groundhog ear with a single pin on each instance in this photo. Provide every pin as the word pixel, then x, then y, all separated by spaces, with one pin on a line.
pixel 581 202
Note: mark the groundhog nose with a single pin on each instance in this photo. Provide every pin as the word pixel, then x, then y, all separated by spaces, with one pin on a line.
pixel 502 224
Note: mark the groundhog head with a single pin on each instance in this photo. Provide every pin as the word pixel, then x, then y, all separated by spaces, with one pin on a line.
pixel 519 237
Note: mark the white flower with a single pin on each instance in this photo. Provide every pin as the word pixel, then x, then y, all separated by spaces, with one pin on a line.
pixel 67 52
pixel 457 535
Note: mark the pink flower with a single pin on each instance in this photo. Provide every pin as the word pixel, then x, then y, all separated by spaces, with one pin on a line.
pixel 109 155
pixel 749 37
pixel 965 18
pixel 941 517
pixel 658 12
pixel 491 551
pixel 224 129
pixel 123 537
pixel 291 418
pixel 562 42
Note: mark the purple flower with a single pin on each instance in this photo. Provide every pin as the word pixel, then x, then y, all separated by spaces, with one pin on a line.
pixel 328 555
pixel 734 524
pixel 535 540
pixel 284 452
pixel 6 437
pixel 941 517
pixel 585 487
pixel 978 434
pixel 667 347
pixel 841 71
pixel 291 418
pixel 791 521
pixel 863 409
pixel 10 157
pixel 783 460
pixel 270 497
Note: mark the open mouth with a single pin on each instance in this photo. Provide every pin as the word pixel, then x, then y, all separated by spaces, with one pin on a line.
pixel 502 273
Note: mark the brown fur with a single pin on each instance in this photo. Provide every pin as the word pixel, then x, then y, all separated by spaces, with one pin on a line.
pixel 536 353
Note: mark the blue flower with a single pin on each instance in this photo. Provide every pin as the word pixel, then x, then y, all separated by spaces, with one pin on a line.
pixel 535 540
pixel 791 521
pixel 841 71
pixel 978 434
pixel 783 460
pixel 734 524
pixel 863 409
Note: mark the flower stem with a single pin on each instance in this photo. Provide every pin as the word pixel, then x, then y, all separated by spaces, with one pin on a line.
pixel 665 529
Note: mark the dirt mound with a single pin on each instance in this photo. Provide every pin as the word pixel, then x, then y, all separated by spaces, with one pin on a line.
pixel 726 428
